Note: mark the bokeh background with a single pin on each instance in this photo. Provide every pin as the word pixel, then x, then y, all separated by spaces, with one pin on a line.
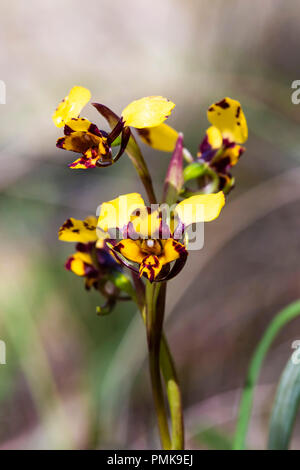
pixel 72 379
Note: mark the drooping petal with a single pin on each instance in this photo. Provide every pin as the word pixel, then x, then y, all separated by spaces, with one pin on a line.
pixel 80 264
pixel 200 208
pixel 88 160
pixel 171 250
pixel 228 116
pixel 71 106
pixel 162 137
pixel 150 267
pixel 150 111
pixel 116 213
pixel 74 230
pixel 130 249
pixel 78 142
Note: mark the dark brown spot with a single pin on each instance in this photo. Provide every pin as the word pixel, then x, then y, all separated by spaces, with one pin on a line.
pixel 60 143
pixel 68 224
pixel 68 130
pixel 93 129
pixel 238 112
pixel 223 104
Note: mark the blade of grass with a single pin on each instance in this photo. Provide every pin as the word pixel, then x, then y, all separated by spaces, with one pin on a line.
pixel 285 407
pixel 281 319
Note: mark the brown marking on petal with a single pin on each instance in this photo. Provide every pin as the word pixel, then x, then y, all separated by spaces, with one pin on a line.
pixel 60 143
pixel 145 134
pixel 119 247
pixel 75 230
pixel 68 263
pixel 223 104
pixel 68 224
pixel 88 226
pixel 68 130
pixel 93 129
pixel 238 112
pixel 179 248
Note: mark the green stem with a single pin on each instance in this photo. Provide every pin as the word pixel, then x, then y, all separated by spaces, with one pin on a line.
pixel 172 384
pixel 154 322
pixel 168 369
pixel 283 317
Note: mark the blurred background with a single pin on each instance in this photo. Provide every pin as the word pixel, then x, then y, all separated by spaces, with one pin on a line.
pixel 72 379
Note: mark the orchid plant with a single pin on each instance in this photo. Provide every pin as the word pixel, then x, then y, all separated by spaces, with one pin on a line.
pixel 134 248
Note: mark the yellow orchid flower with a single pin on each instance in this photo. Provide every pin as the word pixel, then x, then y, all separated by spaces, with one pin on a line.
pixel 145 238
pixel 84 137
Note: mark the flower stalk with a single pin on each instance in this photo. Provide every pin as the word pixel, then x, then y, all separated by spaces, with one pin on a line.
pixel 154 322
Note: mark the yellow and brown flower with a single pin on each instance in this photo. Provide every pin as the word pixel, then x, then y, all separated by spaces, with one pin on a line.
pixel 149 245
pixel 94 261
pixel 220 149
pixel 95 145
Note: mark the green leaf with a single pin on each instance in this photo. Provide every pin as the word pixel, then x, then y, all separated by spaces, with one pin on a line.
pixel 282 318
pixel 285 407
pixel 214 439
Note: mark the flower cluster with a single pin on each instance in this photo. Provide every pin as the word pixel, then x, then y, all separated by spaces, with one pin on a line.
pixel 128 233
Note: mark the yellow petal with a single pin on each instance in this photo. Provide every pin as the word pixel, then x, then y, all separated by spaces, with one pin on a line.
pixel 116 213
pixel 227 115
pixel 71 106
pixel 79 262
pixel 214 137
pixel 151 267
pixel 233 153
pixel 74 230
pixel 130 249
pixel 171 251
pixel 147 112
pixel 202 208
pixel 146 225
pixel 162 137
pixel 79 124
